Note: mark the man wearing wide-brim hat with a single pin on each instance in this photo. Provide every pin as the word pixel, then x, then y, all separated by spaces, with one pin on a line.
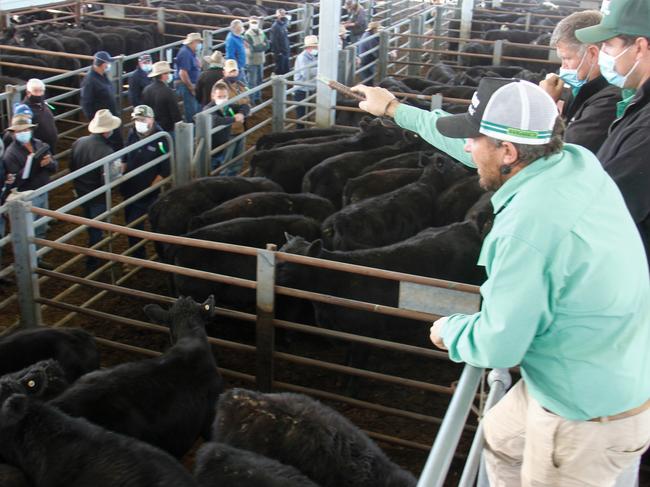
pixel 188 69
pixel 161 98
pixel 305 74
pixel 24 173
pixel 235 88
pixel 567 296
pixel 87 150
pixel 625 62
pixel 209 77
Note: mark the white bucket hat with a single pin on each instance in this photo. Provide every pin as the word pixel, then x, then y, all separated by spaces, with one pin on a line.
pixel 161 67
pixel 311 41
pixel 103 121
pixel 191 37
pixel 229 65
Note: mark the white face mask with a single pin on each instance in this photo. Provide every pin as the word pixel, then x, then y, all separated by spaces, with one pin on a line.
pixel 220 101
pixel 141 127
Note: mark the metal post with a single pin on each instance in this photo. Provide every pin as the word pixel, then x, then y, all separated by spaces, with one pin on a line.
pixel 437 31
pixel 351 59
pixel 442 452
pixel 330 16
pixel 497 53
pixel 466 9
pixel 22 233
pixel 203 129
pixel 265 331
pixel 309 19
pixel 382 54
pixel 528 19
pixel 207 42
pixel 183 145
pixel 416 28
pixel 279 103
pixel 118 74
pixel 342 71
pixel 160 17
pixel 14 97
pixel 77 12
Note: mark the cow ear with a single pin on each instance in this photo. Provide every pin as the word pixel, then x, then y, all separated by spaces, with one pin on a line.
pixel 13 409
pixel 35 382
pixel 315 248
pixel 288 236
pixel 208 307
pixel 156 314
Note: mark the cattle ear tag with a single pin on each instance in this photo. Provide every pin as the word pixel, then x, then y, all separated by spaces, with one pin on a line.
pixel 206 307
pixel 31 384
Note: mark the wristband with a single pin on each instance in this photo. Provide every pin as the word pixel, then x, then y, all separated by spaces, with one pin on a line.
pixel 388 106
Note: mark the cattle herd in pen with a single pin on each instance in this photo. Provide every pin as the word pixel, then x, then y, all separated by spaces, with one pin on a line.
pixel 376 196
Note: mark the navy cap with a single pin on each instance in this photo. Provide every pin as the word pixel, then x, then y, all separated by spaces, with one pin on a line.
pixel 145 58
pixel 104 57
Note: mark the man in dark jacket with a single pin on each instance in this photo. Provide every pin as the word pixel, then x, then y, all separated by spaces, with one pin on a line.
pixel 625 62
pixel 209 77
pixel 144 127
pixel 188 69
pixel 139 80
pixel 356 22
pixel 42 115
pixel 161 98
pixel 97 93
pixel 369 41
pixel 23 172
pixel 241 107
pixel 279 36
pixel 223 117
pixel 85 151
pixel 591 108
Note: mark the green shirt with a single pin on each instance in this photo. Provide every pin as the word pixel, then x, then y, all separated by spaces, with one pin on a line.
pixel 568 292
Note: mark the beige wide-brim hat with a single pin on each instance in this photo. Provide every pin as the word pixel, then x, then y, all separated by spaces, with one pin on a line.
pixel 215 58
pixel 191 37
pixel 230 65
pixel 21 122
pixel 373 25
pixel 103 121
pixel 311 41
pixel 161 67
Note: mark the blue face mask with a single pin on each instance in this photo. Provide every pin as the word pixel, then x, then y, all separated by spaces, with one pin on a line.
pixel 146 67
pixel 24 137
pixel 314 52
pixel 607 65
pixel 570 76
pixel 199 47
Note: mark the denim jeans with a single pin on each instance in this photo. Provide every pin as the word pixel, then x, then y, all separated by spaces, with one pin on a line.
pixel 41 201
pixel 231 152
pixel 132 212
pixel 255 75
pixel 191 105
pixel 281 63
pixel 300 111
pixel 91 210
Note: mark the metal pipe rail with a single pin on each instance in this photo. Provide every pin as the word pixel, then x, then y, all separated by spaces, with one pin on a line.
pixel 478 41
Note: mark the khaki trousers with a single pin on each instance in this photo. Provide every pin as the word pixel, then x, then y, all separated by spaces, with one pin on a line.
pixel 531 447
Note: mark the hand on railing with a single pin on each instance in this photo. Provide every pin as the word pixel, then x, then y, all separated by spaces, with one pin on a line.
pixel 436 333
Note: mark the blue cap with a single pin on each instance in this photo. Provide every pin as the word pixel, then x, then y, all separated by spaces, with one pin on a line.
pixel 22 109
pixel 104 57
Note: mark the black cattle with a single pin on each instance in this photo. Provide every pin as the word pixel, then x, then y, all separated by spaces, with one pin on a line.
pixel 55 450
pixel 172 211
pixel 287 165
pixel 418 84
pixel 251 232
pixel 440 73
pixel 268 141
pixel 76 45
pixel 11 476
pixel 377 182
pixel 328 178
pixel 221 464
pixel 297 430
pixel 167 401
pixel 24 72
pixel 74 349
pixel 266 204
pixel 514 35
pixel 482 214
pixel 313 140
pixel 451 91
pixel 411 160
pixel 45 379
pixel 387 218
pixel 453 204
pixel 89 37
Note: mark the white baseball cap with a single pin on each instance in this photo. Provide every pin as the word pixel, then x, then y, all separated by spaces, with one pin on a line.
pixel 506 109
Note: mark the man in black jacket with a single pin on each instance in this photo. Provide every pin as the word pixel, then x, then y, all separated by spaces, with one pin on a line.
pixel 223 117
pixel 144 127
pixel 23 172
pixel 279 36
pixel 592 106
pixel 209 77
pixel 42 115
pixel 625 62
pixel 140 80
pixel 97 93
pixel 161 98
pixel 85 151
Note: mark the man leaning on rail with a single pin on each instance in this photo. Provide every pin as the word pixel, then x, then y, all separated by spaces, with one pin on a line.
pixel 567 296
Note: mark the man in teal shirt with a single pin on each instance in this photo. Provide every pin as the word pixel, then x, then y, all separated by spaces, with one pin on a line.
pixel 567 296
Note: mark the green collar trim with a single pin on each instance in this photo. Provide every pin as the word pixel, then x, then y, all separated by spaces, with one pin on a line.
pixel 504 129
